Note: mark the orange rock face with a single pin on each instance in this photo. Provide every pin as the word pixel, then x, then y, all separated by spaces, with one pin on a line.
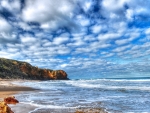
pixel 4 108
pixel 12 69
pixel 11 100
pixel 37 73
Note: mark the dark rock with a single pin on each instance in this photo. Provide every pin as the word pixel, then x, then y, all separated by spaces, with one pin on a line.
pixel 13 69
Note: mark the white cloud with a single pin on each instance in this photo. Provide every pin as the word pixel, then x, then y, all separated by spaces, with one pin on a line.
pixel 121 25
pixel 128 37
pixel 135 47
pixel 122 48
pixel 121 42
pixel 83 20
pixel 147 31
pixel 146 45
pixel 63 65
pixel 107 4
pixel 47 44
pixel 98 45
pixel 113 6
pixel 13 50
pixel 60 40
pixel 108 36
pixel 50 14
pixel 130 14
pixel 109 55
pixel 87 5
pixel 30 40
pixel 82 50
pixel 24 26
pixel 90 38
pixel 11 6
pixel 76 42
pixel 6 32
pixel 8 54
pixel 63 51
pixel 91 48
pixel 5 27
pixel 127 40
pixel 97 28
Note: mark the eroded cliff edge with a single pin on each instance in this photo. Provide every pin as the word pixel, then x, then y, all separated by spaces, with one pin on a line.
pixel 13 69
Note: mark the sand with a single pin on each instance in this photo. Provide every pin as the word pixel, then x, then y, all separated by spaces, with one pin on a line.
pixel 9 89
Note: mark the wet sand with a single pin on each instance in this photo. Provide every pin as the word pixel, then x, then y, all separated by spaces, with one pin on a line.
pixel 91 110
pixel 81 110
pixel 7 88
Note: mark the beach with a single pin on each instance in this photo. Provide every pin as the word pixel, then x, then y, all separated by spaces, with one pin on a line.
pixel 7 88
pixel 78 96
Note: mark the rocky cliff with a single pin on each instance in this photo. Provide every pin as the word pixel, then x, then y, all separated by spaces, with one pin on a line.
pixel 13 69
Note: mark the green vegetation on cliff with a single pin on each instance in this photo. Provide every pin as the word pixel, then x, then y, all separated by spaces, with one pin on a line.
pixel 13 69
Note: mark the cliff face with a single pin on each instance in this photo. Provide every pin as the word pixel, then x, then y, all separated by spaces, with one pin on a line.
pixel 12 69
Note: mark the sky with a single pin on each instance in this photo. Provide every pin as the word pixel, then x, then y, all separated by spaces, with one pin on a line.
pixel 90 38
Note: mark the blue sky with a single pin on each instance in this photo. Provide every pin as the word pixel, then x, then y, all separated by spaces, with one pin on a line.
pixel 104 38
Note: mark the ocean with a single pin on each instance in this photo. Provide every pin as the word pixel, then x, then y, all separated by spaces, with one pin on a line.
pixel 114 95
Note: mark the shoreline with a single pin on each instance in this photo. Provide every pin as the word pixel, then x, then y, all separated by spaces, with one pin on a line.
pixel 7 88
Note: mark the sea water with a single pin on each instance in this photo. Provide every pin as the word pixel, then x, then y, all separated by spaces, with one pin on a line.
pixel 115 95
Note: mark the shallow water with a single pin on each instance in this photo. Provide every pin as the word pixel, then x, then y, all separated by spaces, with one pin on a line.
pixel 116 95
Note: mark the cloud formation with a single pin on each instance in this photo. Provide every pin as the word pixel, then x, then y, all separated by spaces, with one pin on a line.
pixel 50 14
pixel 90 36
